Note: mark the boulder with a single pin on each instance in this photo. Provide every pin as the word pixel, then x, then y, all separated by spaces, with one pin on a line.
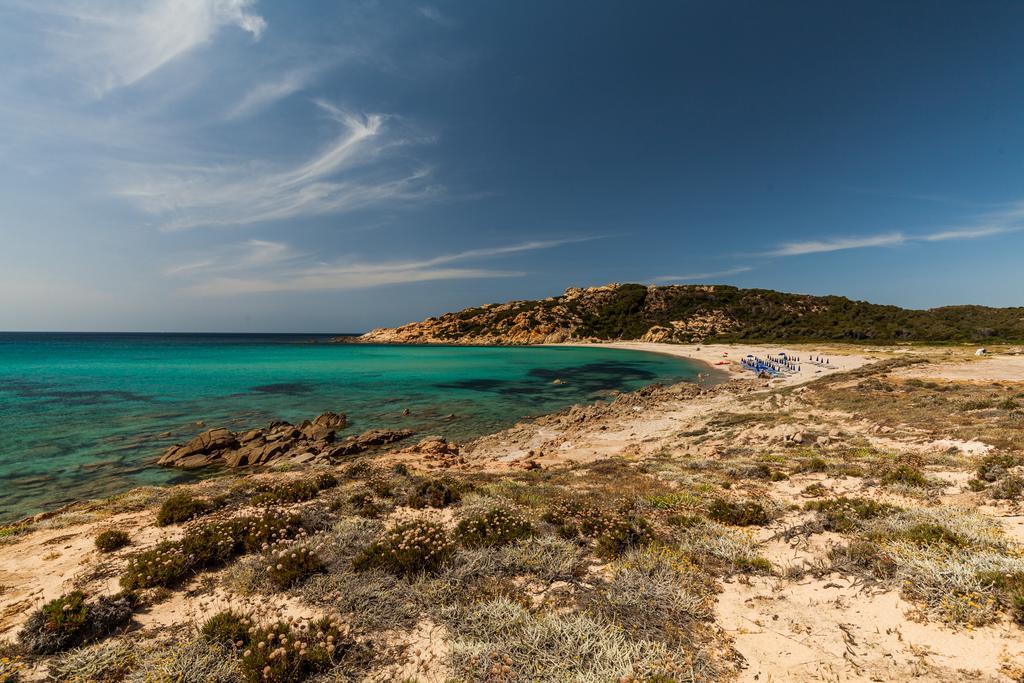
pixel 209 443
pixel 368 439
pixel 324 427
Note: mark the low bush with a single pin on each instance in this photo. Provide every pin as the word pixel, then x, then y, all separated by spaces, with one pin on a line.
pixel 212 545
pixel 181 507
pixel 994 467
pixel 281 653
pixel 496 527
pixel 843 514
pixel 408 549
pixel 927 533
pixel 623 535
pixel 111 540
pixel 435 493
pixel 297 491
pixel 813 464
pixel 289 565
pixel 1008 488
pixel 69 621
pixel 103 662
pixel 747 513
pixel 904 474
pixel 325 480
pixel 360 469
pixel 228 628
pixel 381 486
pixel 365 505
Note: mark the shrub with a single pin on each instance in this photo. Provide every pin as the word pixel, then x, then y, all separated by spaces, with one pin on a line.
pixel 69 621
pixel 412 548
pixel 227 628
pixel 747 513
pixel 365 505
pixel 622 535
pixel 435 493
pixel 927 533
pixel 297 491
pixel 181 507
pixel 325 480
pixel 111 540
pixel 813 464
pixel 843 514
pixel 358 470
pixel 994 467
pixel 192 660
pixel 401 469
pixel 213 545
pixel 494 528
pixel 573 517
pixel 1008 488
pixel 906 475
pixel 290 565
pixel 163 565
pixel 103 662
pixel 381 485
pixel 281 654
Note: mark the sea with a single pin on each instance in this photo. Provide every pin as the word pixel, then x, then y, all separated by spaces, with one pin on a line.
pixel 86 415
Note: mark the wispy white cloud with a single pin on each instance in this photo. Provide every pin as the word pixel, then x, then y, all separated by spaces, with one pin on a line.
pixel 259 266
pixel 246 193
pixel 837 244
pixel 116 43
pixel 435 15
pixel 270 91
pixel 968 233
pixel 894 239
pixel 703 276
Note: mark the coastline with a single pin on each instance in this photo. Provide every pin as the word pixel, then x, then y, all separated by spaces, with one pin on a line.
pixel 712 354
pixel 785 444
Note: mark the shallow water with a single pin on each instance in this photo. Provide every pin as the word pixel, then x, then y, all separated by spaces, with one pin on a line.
pixel 85 415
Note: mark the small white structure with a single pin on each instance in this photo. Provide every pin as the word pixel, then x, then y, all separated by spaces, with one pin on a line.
pixel 981 352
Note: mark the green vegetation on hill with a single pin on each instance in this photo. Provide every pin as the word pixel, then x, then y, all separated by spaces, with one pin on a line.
pixel 766 315
pixel 703 313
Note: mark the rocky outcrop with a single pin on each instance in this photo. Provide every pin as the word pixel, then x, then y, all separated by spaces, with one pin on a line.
pixel 367 440
pixel 310 441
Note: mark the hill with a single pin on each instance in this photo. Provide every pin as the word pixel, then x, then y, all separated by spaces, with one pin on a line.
pixel 705 313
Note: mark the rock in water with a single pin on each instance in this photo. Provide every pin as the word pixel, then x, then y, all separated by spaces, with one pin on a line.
pixel 201 451
pixel 306 443
pixel 324 427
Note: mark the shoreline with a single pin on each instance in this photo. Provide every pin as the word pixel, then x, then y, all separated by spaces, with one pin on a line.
pixel 710 354
pixel 672 453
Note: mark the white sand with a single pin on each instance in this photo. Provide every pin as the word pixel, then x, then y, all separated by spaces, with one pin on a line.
pixel 729 355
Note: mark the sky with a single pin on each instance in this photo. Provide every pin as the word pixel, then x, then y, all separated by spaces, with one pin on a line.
pixel 332 166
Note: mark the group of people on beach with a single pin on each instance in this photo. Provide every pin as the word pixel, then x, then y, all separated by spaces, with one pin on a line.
pixel 780 363
pixel 773 365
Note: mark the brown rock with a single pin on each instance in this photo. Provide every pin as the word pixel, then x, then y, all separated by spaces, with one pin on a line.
pixel 324 427
pixel 210 442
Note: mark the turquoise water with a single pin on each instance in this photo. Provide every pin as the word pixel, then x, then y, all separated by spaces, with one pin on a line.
pixel 84 415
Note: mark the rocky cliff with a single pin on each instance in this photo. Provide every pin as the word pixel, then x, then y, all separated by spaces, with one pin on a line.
pixel 703 313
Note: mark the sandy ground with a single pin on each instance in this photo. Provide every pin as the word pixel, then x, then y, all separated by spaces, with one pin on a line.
pixel 993 368
pixel 726 357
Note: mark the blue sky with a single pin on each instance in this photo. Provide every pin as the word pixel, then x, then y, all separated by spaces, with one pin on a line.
pixel 257 165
